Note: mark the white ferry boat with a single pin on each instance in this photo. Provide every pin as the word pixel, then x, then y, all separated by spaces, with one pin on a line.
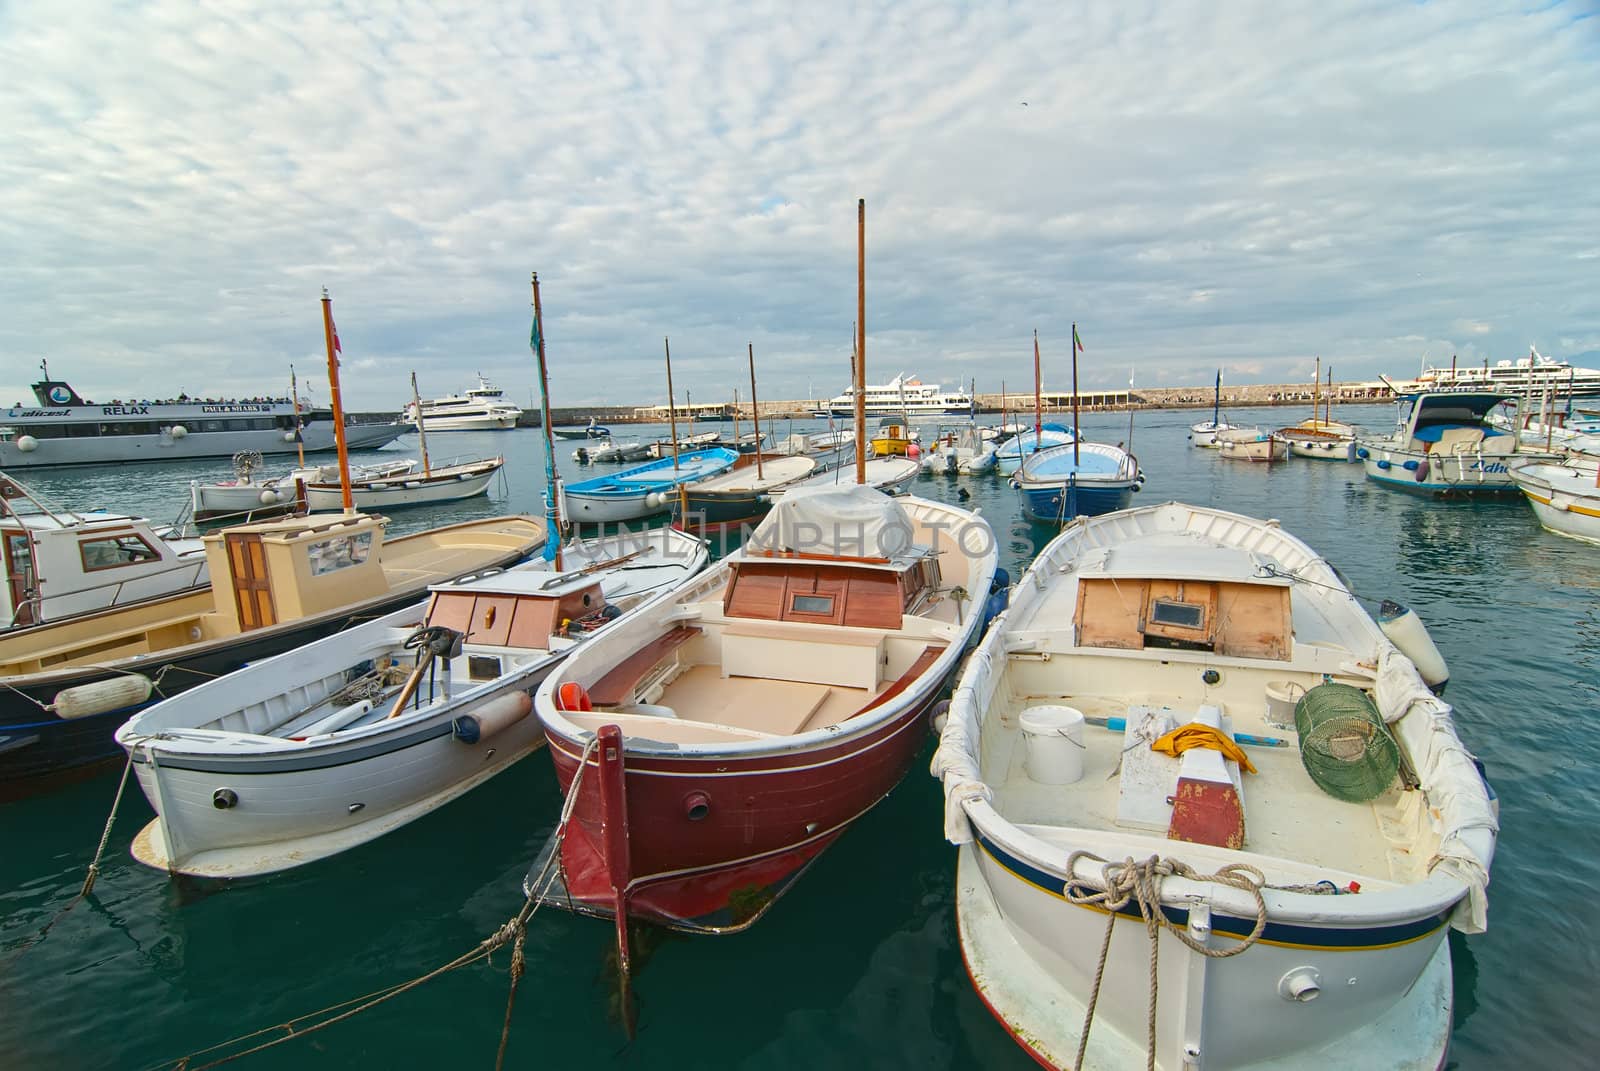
pixel 64 429
pixel 905 395
pixel 482 408
pixel 1530 375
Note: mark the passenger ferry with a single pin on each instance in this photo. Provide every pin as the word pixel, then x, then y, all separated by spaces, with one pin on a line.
pixel 905 395
pixel 63 429
pixel 1530 375
pixel 482 408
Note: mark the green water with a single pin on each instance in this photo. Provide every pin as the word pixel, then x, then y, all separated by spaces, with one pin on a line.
pixel 858 964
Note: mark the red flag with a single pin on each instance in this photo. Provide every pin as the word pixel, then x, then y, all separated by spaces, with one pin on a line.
pixel 338 351
pixel 1076 341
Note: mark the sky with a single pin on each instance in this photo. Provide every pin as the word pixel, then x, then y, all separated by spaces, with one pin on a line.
pixel 1197 185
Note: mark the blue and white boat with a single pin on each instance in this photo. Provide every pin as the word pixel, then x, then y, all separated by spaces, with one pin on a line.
pixel 642 490
pixel 1077 480
pixel 1009 455
pixel 1445 444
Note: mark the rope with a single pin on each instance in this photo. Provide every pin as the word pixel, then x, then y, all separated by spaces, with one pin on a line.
pixel 1140 882
pixel 513 931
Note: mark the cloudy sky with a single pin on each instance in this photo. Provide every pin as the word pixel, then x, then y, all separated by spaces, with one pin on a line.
pixel 1245 185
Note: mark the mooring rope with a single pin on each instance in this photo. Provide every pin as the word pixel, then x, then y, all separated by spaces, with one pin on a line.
pixel 1140 882
pixel 512 932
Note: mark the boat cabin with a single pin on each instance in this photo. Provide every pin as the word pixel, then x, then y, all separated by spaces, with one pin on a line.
pixel 293 568
pixel 1450 422
pixel 522 610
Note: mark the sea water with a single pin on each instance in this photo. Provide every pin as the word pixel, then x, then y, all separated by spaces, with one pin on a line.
pixel 857 965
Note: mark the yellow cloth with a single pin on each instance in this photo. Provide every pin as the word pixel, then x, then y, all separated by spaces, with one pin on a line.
pixel 1194 734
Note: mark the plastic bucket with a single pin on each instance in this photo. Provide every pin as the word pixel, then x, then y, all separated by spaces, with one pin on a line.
pixel 1282 697
pixel 1053 736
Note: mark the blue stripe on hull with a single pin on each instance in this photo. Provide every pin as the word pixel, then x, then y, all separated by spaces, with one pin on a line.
pixel 1333 938
pixel 1045 503
pixel 1431 488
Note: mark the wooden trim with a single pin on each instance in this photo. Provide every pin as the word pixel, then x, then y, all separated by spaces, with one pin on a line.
pixel 930 654
pixel 618 683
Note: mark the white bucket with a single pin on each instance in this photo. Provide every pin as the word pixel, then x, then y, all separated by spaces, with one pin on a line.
pixel 1054 742
pixel 1282 698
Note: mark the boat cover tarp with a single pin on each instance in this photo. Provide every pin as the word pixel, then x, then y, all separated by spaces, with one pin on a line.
pixel 844 521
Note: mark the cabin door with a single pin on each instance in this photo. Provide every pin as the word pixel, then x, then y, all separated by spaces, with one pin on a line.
pixel 247 561
pixel 20 577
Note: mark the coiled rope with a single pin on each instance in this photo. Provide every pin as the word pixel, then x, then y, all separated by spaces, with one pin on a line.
pixel 1139 882
pixel 512 932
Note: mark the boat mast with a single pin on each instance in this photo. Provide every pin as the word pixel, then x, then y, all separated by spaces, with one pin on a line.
pixel 332 338
pixel 672 409
pixel 861 340
pixel 1038 418
pixel 1330 394
pixel 1316 385
pixel 299 432
pixel 422 436
pixel 1075 435
pixel 1216 401
pixel 736 418
pixel 552 504
pixel 755 406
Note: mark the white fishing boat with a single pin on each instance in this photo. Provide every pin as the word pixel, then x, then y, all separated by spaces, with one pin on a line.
pixel 956 449
pixel 446 483
pixel 1444 444
pixel 611 450
pixel 480 408
pixel 1121 757
pixel 301 756
pixel 1012 452
pixel 699 441
pixel 642 490
pixel 64 429
pixel 892 475
pixel 829 449
pixel 1204 434
pixel 249 496
pixel 1251 444
pixel 1320 437
pixel 1565 496
pixel 592 430
pixel 55 562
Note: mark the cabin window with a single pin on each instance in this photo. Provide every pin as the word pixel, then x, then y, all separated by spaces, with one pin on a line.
pixel 1178 614
pixel 812 604
pixel 113 552
pixel 483 667
pixel 341 552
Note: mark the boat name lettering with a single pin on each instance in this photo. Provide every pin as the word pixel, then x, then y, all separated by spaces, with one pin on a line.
pixel 236 408
pixel 1487 466
pixel 40 412
pixel 125 410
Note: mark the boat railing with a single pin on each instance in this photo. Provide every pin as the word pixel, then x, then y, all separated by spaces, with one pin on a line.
pixel 33 605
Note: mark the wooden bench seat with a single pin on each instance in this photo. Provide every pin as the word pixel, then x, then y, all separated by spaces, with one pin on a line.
pixel 616 687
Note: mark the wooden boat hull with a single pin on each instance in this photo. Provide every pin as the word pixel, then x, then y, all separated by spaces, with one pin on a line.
pixel 769 816
pixel 39 750
pixel 1263 451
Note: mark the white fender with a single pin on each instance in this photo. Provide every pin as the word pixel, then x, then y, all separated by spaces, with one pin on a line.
pixel 99 697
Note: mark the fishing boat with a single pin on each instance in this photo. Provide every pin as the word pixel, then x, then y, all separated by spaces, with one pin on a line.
pixel 768 706
pixel 894 439
pixel 891 475
pixel 1444 444
pixel 740 495
pixel 480 408
pixel 592 430
pixel 829 449
pixel 298 757
pixel 274 586
pixel 644 489
pixel 959 449
pixel 1320 437
pixel 697 441
pixel 1208 814
pixel 447 483
pixel 1565 496
pixel 250 497
pixel 63 429
pixel 611 450
pixel 1011 453
pixel 1251 444
pixel 904 396
pixel 56 563
pixel 1204 434
pixel 1081 479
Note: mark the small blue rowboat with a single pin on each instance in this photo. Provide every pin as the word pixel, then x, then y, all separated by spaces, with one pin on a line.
pixel 642 490
pixel 1085 480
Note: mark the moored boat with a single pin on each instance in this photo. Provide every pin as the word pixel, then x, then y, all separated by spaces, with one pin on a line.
pixel 891 475
pixel 1082 479
pixel 317 750
pixel 1320 440
pixel 741 495
pixel 480 408
pixel 56 562
pixel 1204 434
pixel 642 490
pixel 1126 739
pixel 1565 496
pixel 1444 444
pixel 1251 444
pixel 445 483
pixel 249 497
pixel 770 704
pixel 1012 452
pixel 958 449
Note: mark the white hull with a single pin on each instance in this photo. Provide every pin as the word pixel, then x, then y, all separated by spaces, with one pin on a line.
pixel 1204 434
pixel 486 422
pixel 1261 450
pixel 118 449
pixel 1564 498
pixel 413 489
pixel 1324 449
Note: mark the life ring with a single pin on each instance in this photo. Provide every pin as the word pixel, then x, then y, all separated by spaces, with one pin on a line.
pixel 572 696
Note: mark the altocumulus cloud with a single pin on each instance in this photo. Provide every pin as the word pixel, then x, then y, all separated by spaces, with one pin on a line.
pixel 1245 185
